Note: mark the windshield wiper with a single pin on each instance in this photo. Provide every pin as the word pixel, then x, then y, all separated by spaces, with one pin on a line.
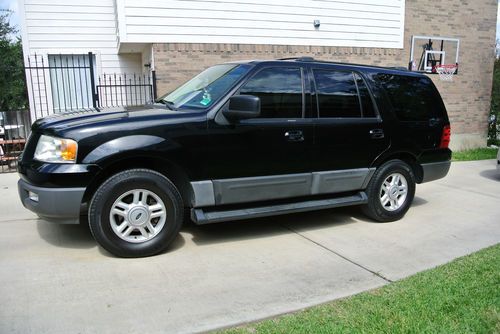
pixel 170 105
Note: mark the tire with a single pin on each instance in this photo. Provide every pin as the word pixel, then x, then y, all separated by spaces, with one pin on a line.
pixel 136 213
pixel 390 191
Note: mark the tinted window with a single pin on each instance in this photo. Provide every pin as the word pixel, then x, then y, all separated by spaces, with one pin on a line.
pixel 337 94
pixel 279 90
pixel 364 96
pixel 412 98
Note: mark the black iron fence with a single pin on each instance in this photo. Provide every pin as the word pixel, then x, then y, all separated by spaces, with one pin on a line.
pixel 58 83
pixel 14 131
pixel 125 90
pixel 67 82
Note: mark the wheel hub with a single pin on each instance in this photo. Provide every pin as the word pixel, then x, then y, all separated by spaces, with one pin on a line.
pixel 138 216
pixel 393 192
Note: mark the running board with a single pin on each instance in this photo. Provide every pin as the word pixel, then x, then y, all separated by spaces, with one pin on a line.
pixel 201 216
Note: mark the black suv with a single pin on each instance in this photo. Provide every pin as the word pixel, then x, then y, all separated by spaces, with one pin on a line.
pixel 240 140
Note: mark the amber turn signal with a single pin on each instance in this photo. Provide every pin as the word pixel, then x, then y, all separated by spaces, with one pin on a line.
pixel 68 150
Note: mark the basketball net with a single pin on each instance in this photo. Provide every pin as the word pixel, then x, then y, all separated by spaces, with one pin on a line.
pixel 446 71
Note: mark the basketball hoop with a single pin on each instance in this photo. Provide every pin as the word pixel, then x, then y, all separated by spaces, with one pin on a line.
pixel 446 71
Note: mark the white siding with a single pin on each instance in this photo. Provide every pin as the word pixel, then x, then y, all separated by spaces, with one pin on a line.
pixel 78 27
pixel 361 23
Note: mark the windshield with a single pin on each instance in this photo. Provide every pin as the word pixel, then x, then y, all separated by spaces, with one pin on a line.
pixel 206 88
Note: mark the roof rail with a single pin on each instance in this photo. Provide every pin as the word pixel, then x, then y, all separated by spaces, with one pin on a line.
pixel 298 58
pixel 401 68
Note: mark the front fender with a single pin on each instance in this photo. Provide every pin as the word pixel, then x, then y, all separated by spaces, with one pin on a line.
pixel 128 143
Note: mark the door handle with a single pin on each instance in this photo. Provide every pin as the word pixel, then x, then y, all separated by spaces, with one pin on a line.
pixel 294 135
pixel 377 133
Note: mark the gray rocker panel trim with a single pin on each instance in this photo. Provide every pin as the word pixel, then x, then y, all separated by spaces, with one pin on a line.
pixel 203 193
pixel 261 188
pixel 254 189
pixel 341 180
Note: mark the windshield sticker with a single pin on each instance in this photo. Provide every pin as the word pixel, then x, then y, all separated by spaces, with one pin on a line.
pixel 206 99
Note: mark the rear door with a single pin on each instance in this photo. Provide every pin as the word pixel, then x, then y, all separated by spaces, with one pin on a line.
pixel 349 133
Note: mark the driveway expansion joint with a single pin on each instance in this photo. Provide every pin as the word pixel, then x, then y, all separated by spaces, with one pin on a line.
pixel 466 190
pixel 379 275
pixel 19 220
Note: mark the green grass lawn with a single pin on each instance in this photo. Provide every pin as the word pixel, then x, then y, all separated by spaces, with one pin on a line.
pixel 475 154
pixel 460 297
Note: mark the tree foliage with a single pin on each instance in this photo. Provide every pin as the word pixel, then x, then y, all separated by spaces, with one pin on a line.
pixel 495 94
pixel 493 135
pixel 12 86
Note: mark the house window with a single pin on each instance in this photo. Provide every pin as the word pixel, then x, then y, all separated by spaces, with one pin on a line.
pixel 70 81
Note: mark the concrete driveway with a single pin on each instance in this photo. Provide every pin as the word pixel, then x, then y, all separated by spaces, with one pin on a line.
pixel 54 279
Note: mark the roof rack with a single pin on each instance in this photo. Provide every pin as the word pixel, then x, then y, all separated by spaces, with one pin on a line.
pixel 311 59
pixel 298 58
pixel 400 68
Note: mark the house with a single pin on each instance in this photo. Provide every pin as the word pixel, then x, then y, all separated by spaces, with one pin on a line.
pixel 175 39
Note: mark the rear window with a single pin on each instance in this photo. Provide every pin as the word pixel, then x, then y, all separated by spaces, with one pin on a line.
pixel 412 98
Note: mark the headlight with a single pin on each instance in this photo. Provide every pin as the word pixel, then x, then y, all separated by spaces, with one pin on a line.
pixel 51 149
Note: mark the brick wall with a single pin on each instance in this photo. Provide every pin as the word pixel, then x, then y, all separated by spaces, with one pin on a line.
pixel 467 98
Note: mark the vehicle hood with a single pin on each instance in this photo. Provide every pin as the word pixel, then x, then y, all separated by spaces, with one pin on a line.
pixel 110 119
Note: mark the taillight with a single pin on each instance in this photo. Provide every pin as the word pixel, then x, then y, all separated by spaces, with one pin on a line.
pixel 445 137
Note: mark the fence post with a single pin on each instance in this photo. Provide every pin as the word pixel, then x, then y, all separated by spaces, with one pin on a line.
pixel 92 81
pixel 155 92
pixel 27 108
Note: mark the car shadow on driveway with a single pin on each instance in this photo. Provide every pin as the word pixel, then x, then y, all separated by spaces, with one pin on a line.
pixel 277 225
pixel 80 237
pixel 418 201
pixel 271 226
pixel 177 244
pixel 67 236
pixel 491 174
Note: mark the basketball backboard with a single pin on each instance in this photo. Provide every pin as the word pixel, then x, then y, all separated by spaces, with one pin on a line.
pixel 427 52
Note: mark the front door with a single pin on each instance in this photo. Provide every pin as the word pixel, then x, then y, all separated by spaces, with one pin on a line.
pixel 266 157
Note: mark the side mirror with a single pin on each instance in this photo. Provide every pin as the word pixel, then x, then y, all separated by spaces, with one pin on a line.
pixel 242 107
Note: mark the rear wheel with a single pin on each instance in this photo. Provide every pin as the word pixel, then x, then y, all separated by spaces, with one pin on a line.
pixel 390 191
pixel 136 213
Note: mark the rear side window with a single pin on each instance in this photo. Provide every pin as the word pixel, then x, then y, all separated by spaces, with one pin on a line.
pixel 342 94
pixel 279 90
pixel 412 98
pixel 337 94
pixel 364 96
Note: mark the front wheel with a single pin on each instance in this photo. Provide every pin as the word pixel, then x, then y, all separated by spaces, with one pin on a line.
pixel 390 191
pixel 136 213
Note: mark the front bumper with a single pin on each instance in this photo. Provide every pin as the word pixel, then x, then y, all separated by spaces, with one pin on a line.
pixel 61 205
